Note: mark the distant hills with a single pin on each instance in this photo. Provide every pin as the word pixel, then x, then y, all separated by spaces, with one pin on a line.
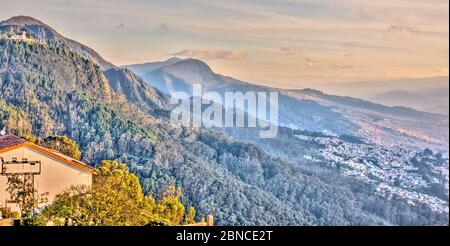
pixel 179 75
pixel 305 109
pixel 51 85
pixel 431 100
pixel 425 94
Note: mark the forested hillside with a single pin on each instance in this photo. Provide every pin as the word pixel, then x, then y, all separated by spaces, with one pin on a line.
pixel 48 88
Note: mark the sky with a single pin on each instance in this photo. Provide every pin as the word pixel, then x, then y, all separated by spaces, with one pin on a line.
pixel 282 43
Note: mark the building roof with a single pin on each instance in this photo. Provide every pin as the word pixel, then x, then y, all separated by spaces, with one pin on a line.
pixel 8 141
pixel 11 142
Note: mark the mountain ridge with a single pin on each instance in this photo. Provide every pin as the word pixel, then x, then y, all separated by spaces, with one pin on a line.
pixel 303 109
pixel 41 30
pixel 52 89
pixel 168 65
pixel 422 87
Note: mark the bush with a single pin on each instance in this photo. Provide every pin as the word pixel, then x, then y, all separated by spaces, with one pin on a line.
pixel 115 199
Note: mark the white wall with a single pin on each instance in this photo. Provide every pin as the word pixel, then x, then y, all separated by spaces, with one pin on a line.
pixel 55 177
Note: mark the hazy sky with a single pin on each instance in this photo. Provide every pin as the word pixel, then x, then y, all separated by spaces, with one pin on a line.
pixel 286 43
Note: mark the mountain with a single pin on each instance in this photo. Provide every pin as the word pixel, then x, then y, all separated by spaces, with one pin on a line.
pixel 362 104
pixel 141 69
pixel 377 86
pixel 177 73
pixel 57 91
pixel 40 30
pixel 401 95
pixel 425 94
pixel 385 125
pixel 120 80
pixel 169 77
pixel 309 109
pixel 434 101
pixel 125 82
pixel 324 133
pixel 48 87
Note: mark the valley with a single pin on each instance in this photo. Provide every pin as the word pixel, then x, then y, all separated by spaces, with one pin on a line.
pixel 335 161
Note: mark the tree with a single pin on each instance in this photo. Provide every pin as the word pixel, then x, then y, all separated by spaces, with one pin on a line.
pixel 21 191
pixel 62 144
pixel 13 120
pixel 190 216
pixel 115 199
pixel 169 207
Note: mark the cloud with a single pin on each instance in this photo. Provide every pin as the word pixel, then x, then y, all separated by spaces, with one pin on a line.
pixel 311 61
pixel 120 26
pixel 403 29
pixel 164 27
pixel 211 54
pixel 290 51
pixel 342 66
pixel 442 69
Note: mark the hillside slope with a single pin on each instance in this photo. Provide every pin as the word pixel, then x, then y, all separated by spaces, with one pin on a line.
pixel 310 109
pixel 49 88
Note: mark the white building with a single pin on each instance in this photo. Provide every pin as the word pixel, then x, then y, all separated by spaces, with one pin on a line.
pixel 23 36
pixel 54 172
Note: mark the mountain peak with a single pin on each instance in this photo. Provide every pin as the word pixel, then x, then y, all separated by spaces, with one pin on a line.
pixel 36 27
pixel 194 65
pixel 39 30
pixel 173 60
pixel 21 20
pixel 310 91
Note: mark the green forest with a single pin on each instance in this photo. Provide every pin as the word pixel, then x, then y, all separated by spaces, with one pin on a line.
pixel 49 90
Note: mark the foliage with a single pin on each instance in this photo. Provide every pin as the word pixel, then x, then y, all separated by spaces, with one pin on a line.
pixel 190 216
pixel 115 199
pixel 22 192
pixel 62 144
pixel 13 119
pixel 60 92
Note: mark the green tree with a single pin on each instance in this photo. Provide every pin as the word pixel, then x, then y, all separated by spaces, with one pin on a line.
pixel 115 199
pixel 190 216
pixel 13 119
pixel 22 192
pixel 169 207
pixel 62 144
